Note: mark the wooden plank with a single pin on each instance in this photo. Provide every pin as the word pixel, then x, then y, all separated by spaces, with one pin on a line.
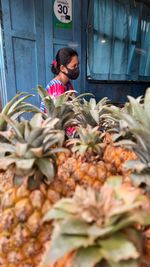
pixel 24 38
pixel 48 29
pixel 10 72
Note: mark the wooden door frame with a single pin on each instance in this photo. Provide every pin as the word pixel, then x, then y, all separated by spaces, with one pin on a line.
pixel 3 89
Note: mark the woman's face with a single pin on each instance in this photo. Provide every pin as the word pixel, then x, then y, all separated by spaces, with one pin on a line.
pixel 72 69
pixel 74 63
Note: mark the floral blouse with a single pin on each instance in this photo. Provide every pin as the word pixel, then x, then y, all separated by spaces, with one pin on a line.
pixel 56 88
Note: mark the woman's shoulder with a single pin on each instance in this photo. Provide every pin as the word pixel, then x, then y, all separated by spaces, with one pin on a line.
pixel 53 82
pixel 55 87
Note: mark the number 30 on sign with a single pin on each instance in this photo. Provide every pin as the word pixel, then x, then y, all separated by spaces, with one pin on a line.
pixel 63 10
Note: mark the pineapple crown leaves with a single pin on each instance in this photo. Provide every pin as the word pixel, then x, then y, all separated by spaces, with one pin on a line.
pixel 127 117
pixel 98 224
pixel 31 145
pixel 90 112
pixel 60 107
pixel 94 113
pixel 140 175
pixel 136 121
pixel 75 110
pixel 16 107
pixel 89 140
pixel 134 114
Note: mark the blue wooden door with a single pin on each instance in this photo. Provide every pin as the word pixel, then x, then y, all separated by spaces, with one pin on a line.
pixel 57 37
pixel 24 45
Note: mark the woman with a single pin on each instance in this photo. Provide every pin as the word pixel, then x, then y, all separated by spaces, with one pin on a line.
pixel 66 68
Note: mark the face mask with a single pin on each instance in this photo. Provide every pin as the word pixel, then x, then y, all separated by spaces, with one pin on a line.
pixel 72 73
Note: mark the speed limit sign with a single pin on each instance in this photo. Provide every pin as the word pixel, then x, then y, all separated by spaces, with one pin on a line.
pixel 63 10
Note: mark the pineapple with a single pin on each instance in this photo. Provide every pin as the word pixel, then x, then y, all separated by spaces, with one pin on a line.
pixel 77 111
pixel 90 112
pixel 136 122
pixel 73 110
pixel 27 170
pixel 60 107
pixel 98 114
pixel 84 165
pixel 72 168
pixel 116 156
pixel 16 107
pixel 100 227
pixel 88 164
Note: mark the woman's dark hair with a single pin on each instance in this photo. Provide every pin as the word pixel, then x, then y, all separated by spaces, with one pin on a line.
pixel 63 57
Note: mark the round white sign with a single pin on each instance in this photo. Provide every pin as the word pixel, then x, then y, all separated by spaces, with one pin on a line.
pixel 63 10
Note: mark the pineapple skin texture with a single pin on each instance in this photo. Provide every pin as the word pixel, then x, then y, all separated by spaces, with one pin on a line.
pixel 23 235
pixel 117 156
pixel 65 261
pixel 92 171
pixel 86 171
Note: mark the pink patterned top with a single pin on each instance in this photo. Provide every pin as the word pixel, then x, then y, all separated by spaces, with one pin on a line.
pixel 56 88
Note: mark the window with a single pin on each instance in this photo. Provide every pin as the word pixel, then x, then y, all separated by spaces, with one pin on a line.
pixel 118 40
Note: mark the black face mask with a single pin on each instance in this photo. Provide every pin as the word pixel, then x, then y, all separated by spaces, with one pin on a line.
pixel 72 73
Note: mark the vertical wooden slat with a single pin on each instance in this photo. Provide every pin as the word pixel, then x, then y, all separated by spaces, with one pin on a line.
pixel 10 72
pixel 25 45
pixel 3 91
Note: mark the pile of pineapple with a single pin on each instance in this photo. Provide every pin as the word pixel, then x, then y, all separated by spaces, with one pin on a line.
pixel 74 182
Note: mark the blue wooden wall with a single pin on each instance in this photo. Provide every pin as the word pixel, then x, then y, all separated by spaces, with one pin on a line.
pixel 32 40
pixel 56 37
pixel 24 45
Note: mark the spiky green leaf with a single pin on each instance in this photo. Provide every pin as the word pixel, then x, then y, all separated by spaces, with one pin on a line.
pixel 88 256
pixel 5 147
pixel 5 162
pixel 25 164
pixel 62 244
pixel 118 248
pixel 74 226
pixel 47 168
